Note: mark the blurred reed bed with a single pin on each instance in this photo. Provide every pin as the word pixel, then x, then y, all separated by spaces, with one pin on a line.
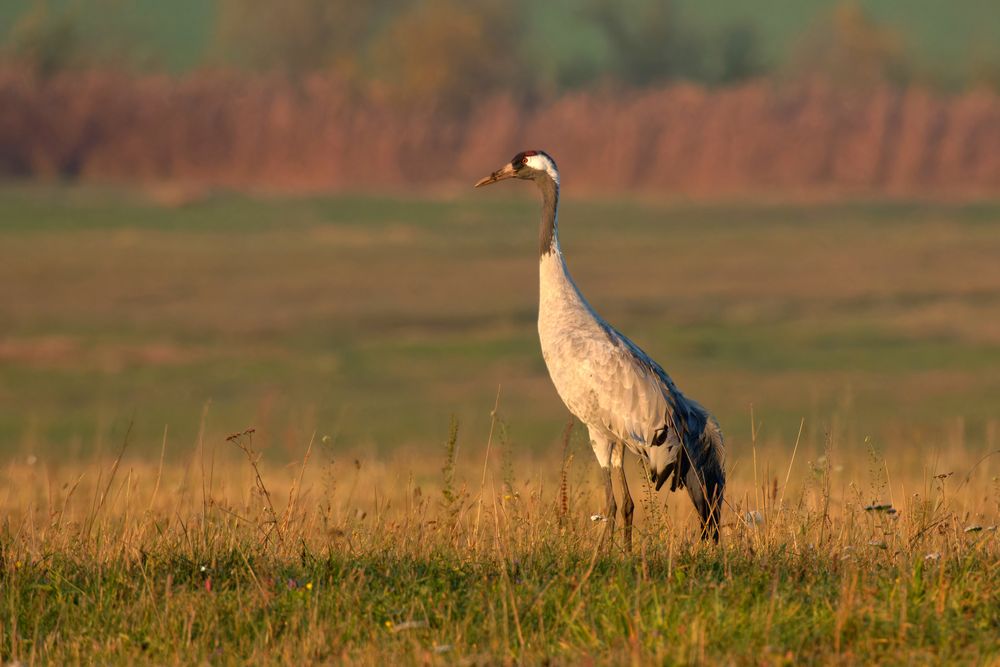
pixel 318 134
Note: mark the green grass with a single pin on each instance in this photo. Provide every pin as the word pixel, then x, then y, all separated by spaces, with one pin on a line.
pixel 697 606
pixel 376 318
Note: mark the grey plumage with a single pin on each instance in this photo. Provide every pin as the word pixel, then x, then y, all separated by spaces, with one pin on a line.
pixel 689 444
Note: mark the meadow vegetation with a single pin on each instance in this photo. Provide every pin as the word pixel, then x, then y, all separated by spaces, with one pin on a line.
pixel 467 552
pixel 851 351
pixel 378 318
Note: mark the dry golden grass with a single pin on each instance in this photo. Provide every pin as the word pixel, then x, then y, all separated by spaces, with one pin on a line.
pixel 472 553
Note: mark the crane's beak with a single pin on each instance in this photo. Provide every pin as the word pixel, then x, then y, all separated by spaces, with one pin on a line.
pixel 500 174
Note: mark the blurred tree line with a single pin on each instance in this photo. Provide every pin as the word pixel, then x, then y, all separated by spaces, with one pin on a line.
pixel 450 51
pixel 453 50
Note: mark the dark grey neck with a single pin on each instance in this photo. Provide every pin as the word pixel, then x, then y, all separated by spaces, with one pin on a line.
pixel 548 234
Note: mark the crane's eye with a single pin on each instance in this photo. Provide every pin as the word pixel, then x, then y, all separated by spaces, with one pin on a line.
pixel 521 159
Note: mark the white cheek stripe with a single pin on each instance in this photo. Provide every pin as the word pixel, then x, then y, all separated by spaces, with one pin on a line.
pixel 542 163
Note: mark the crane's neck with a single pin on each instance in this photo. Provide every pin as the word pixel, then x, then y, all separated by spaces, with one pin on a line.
pixel 557 291
pixel 548 231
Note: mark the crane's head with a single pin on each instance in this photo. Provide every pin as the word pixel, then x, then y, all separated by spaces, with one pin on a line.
pixel 529 165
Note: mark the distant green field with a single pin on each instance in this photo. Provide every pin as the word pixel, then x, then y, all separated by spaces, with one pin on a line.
pixel 373 320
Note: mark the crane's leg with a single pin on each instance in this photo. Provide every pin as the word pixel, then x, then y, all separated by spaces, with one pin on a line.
pixel 603 450
pixel 628 507
pixel 612 507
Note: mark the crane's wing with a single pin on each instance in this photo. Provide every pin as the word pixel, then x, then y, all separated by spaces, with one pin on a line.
pixel 641 405
pixel 632 400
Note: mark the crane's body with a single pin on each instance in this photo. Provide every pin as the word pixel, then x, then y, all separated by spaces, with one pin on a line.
pixel 626 400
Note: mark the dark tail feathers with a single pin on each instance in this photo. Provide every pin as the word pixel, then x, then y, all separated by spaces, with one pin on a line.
pixel 705 479
pixel 698 466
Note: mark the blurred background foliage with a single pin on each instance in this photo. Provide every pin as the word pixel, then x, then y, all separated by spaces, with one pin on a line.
pixel 448 49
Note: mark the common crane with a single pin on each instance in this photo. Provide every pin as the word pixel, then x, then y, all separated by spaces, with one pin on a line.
pixel 626 400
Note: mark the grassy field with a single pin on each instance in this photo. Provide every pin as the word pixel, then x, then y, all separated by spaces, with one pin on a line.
pixel 459 556
pixel 140 329
pixel 375 320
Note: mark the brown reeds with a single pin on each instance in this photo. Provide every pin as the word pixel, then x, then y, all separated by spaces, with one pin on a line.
pixel 222 129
